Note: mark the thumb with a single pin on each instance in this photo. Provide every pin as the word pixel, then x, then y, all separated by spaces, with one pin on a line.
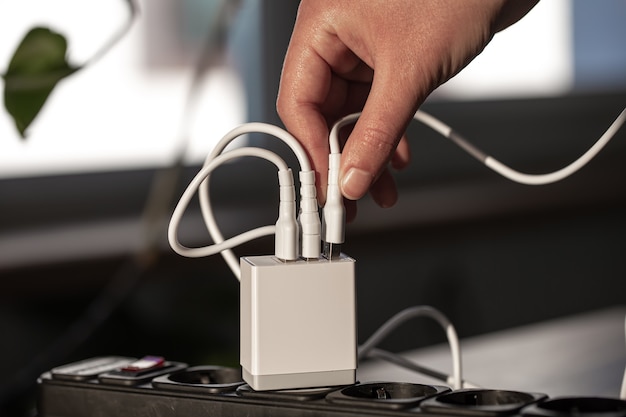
pixel 388 110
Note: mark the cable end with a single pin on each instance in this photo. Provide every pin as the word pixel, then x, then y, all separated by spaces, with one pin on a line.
pixel 334 212
pixel 287 229
pixel 331 250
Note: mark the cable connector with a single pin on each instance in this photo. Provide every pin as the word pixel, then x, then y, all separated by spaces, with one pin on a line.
pixel 334 212
pixel 309 218
pixel 286 240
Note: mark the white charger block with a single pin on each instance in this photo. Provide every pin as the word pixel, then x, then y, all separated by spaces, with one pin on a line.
pixel 298 322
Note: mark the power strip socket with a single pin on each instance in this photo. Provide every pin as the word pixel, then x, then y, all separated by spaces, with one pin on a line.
pixel 298 322
pixel 117 386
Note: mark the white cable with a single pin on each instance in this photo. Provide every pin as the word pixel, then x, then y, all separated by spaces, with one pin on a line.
pixel 193 186
pixel 413 312
pixel 499 168
pixel 520 177
pixel 333 139
pixel 403 362
pixel 287 230
pixel 492 163
pixel 309 218
pixel 255 127
pixel 334 213
pixel 205 203
pixel 224 247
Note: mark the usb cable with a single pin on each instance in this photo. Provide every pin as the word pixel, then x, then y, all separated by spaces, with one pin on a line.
pixel 293 236
pixel 511 174
pixel 308 230
pixel 284 228
pixel 301 236
pixel 492 163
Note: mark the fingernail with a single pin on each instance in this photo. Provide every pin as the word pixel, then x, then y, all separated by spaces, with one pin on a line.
pixel 355 183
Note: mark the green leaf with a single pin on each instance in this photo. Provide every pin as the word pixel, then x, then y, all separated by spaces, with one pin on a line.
pixel 36 67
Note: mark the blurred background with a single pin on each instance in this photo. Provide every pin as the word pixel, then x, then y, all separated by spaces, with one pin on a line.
pixel 85 268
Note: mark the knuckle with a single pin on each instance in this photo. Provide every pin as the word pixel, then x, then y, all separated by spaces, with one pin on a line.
pixel 379 140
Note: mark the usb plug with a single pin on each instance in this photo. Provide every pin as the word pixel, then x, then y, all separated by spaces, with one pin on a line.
pixel 334 212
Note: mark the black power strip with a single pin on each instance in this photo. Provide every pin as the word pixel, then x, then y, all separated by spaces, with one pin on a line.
pixel 120 386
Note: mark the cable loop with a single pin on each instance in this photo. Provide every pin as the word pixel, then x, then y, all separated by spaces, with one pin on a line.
pixel 414 312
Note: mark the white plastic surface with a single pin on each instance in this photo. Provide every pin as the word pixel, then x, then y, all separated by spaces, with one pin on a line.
pixel 298 319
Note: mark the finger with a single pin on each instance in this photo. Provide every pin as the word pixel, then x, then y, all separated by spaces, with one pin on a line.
pixel 402 156
pixel 298 105
pixel 344 97
pixel 384 190
pixel 376 135
pixel 321 81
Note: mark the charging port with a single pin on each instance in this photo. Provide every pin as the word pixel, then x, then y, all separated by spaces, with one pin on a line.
pixel 481 402
pixel 207 379
pixel 385 395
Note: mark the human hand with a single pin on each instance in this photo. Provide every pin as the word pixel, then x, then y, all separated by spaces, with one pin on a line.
pixel 382 58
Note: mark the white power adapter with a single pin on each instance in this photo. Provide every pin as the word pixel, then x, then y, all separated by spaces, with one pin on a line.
pixel 298 322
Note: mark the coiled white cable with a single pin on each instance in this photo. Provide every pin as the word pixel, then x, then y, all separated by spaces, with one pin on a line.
pixel 202 176
pixel 205 202
pixel 420 311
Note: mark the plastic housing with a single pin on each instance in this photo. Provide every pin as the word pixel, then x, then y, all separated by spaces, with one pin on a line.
pixel 298 322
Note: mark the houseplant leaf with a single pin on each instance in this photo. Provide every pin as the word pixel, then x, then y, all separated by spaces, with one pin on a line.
pixel 38 64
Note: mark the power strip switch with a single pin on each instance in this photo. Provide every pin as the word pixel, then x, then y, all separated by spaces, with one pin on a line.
pixel 298 322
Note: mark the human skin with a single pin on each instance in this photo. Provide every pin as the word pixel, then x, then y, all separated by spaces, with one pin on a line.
pixel 382 58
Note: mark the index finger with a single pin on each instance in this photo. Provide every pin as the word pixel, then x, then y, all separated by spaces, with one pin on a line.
pixel 387 112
